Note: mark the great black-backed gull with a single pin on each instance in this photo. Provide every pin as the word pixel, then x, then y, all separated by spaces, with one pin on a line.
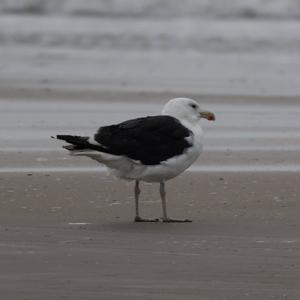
pixel 152 149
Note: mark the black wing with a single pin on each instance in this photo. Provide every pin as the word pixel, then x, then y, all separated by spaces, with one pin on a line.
pixel 149 139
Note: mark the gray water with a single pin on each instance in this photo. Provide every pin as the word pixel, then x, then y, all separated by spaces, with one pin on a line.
pixel 207 47
pixel 229 9
pixel 224 26
pixel 70 66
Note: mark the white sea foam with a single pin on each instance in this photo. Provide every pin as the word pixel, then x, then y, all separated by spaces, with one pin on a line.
pixel 216 25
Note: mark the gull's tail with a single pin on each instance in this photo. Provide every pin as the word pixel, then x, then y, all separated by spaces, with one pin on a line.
pixel 78 143
pixel 81 146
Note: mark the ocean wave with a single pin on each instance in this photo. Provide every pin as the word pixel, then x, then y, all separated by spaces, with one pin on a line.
pixel 185 34
pixel 254 9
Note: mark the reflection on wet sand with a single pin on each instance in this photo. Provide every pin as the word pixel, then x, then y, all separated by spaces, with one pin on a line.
pixel 246 137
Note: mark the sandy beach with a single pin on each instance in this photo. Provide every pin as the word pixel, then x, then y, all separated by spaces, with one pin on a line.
pixel 70 235
pixel 66 226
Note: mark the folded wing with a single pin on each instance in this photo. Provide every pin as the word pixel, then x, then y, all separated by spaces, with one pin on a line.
pixel 150 140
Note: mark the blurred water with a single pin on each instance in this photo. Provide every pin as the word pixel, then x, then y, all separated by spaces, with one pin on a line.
pixel 252 9
pixel 218 36
pixel 241 58
pixel 218 47
pixel 209 26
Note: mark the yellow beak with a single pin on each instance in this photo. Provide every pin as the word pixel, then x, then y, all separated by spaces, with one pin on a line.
pixel 208 115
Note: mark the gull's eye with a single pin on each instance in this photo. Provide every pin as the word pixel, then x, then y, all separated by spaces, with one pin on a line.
pixel 194 106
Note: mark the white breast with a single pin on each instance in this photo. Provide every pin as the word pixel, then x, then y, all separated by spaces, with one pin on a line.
pixel 172 167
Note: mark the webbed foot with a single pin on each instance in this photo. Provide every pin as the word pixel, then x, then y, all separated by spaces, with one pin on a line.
pixel 139 219
pixel 168 220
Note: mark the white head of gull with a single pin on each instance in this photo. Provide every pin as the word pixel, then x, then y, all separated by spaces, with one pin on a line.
pixel 153 148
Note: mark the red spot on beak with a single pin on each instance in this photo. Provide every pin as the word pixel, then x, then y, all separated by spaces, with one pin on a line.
pixel 212 117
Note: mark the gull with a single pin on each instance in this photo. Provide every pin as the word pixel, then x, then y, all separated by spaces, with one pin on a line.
pixel 151 149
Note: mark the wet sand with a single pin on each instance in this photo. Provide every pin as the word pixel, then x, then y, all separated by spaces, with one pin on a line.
pixel 70 235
